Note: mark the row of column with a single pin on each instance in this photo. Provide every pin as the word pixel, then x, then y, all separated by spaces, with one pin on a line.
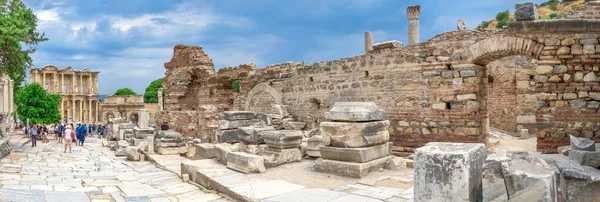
pixel 91 105
pixel 92 84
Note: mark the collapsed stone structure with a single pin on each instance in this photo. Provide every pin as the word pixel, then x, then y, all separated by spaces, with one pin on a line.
pixel 437 90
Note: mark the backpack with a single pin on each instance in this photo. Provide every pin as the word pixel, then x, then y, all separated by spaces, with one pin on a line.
pixel 72 135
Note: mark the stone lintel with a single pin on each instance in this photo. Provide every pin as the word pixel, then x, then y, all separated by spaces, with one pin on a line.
pixel 350 169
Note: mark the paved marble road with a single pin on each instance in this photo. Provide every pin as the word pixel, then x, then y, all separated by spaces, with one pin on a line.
pixel 89 173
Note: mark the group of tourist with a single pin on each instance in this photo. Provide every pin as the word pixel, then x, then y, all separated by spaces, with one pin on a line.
pixel 66 133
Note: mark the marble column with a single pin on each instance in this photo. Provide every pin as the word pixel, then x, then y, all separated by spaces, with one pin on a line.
pixel 368 42
pixel 73 110
pixel 90 110
pixel 81 110
pixel 160 99
pixel 44 82
pixel 413 13
pixel 73 84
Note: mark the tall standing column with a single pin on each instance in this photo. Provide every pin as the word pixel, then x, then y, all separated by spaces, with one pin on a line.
pixel 90 110
pixel 368 42
pixel 413 13
pixel 44 81
pixel 73 84
pixel 73 110
pixel 62 83
pixel 81 110
pixel 160 99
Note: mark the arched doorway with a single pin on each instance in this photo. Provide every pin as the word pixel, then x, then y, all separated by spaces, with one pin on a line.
pixel 134 117
pixel 262 97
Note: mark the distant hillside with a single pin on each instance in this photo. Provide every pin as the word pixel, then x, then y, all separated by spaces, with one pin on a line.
pixel 552 9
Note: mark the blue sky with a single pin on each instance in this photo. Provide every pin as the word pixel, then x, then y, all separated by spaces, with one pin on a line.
pixel 128 41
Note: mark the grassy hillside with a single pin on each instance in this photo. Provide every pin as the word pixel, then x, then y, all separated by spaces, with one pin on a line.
pixel 552 9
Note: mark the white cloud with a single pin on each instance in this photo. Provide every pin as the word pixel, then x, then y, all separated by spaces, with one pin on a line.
pixel 50 15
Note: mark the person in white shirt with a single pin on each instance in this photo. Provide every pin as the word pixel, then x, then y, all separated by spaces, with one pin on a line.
pixel 68 138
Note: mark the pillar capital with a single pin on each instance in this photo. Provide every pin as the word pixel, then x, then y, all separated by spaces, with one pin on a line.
pixel 413 12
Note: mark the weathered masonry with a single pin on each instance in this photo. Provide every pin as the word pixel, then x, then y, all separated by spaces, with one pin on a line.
pixel 446 89
pixel 78 89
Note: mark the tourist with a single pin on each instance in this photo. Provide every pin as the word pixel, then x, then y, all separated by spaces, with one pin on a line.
pixel 42 131
pixel 74 139
pixel 33 135
pixel 164 126
pixel 81 130
pixel 25 131
pixel 60 129
pixel 90 130
pixel 68 136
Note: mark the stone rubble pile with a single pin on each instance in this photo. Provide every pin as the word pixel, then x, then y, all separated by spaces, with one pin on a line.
pixel 357 135
pixel 144 134
pixel 283 147
pixel 580 173
pixel 167 142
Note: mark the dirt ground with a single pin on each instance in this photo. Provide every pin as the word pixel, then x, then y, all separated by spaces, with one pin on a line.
pixel 508 142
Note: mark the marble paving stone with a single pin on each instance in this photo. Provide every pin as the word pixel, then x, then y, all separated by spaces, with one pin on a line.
pixel 313 195
pixel 352 197
pixel 55 196
pixel 265 189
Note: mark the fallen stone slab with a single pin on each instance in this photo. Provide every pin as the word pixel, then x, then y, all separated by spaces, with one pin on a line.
pixel 168 140
pixel 350 169
pixel 169 144
pixel 583 144
pixel 141 133
pixel 227 124
pixel 245 163
pixel 355 111
pixel 283 139
pixel 528 182
pixel 228 136
pixel 276 157
pixel 359 155
pixel 396 164
pixel 171 150
pixel 168 134
pixel 253 134
pixel 362 134
pixel 293 125
pixel 387 44
pixel 449 172
pixel 578 183
pixel 494 187
pixel 264 118
pixel 586 158
pixel 132 153
pixel 222 149
pixel 205 150
pixel 238 115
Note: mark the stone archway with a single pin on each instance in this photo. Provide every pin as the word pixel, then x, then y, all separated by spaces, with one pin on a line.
pixel 107 116
pixel 503 103
pixel 134 117
pixel 488 50
pixel 262 97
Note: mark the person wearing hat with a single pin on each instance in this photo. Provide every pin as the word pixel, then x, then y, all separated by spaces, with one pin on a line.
pixel 68 137
pixel 164 126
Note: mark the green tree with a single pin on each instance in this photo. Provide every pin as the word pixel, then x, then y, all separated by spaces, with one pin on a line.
pixel 503 16
pixel 125 92
pixel 35 104
pixel 483 25
pixel 19 39
pixel 151 94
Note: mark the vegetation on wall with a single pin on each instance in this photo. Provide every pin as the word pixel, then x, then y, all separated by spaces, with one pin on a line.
pixel 236 85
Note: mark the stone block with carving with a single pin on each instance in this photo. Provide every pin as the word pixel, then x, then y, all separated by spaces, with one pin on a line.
pixel 449 172
pixel 359 134
pixel 283 139
pixel 227 124
pixel 253 134
pixel 314 144
pixel 350 169
pixel 141 133
pixel 276 157
pixel 245 163
pixel 293 125
pixel 132 153
pixel 355 111
pixel 205 151
pixel 238 115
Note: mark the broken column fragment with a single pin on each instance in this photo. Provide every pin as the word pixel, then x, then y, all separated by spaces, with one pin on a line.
pixel 583 144
pixel 578 183
pixel 449 172
pixel 283 147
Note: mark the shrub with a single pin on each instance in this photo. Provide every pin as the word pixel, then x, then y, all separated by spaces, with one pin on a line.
pixel 236 85
pixel 502 16
pixel 553 16
pixel 502 23
pixel 549 2
pixel 553 7
pixel 483 25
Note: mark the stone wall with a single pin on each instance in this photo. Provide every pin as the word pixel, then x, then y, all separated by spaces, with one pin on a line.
pixel 589 10
pixel 502 92
pixel 435 91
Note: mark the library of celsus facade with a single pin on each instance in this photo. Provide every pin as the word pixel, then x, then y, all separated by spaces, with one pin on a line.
pixel 78 89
